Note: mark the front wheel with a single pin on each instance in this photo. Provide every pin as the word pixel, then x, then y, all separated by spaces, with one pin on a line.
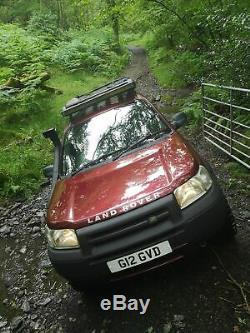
pixel 229 229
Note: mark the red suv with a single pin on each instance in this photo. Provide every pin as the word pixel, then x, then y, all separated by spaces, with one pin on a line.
pixel 129 192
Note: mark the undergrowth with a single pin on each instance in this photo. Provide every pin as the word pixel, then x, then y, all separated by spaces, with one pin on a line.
pixel 41 69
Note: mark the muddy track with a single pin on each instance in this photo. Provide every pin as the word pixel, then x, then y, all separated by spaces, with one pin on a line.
pixel 192 295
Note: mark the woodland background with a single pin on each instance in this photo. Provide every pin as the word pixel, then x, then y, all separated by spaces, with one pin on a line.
pixel 52 50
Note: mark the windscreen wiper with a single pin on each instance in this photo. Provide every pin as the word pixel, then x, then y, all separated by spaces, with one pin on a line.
pixel 92 163
pixel 120 151
pixel 154 135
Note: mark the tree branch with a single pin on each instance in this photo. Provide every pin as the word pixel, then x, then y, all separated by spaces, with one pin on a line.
pixel 233 281
pixel 171 10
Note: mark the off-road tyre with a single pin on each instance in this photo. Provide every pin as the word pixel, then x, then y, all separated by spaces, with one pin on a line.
pixel 228 230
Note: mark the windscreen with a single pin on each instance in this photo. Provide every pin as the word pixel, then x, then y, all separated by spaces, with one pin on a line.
pixel 109 133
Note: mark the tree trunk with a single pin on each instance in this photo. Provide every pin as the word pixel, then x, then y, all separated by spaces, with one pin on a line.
pixel 116 34
pixel 114 23
pixel 61 22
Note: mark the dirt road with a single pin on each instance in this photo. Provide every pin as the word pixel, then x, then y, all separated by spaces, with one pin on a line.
pixel 195 295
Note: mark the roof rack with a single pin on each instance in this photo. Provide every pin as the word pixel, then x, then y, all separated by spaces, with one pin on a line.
pixel 118 90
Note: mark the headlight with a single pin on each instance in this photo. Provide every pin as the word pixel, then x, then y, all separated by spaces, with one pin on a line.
pixel 62 238
pixel 194 188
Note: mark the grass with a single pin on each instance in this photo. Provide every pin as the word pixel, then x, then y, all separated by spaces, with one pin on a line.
pixel 24 151
pixel 239 176
pixel 163 73
pixel 138 39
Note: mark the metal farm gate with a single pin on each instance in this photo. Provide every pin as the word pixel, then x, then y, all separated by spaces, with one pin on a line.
pixel 226 120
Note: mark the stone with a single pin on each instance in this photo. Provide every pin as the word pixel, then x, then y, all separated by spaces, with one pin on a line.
pixel 180 325
pixel 40 214
pixel 45 302
pixel 72 320
pixel 245 214
pixel 5 230
pixel 8 249
pixel 25 306
pixel 34 316
pixel 33 222
pixel 8 281
pixel 23 250
pixel 178 317
pixel 16 323
pixel 35 229
pixel 178 321
pixel 26 219
pixel 3 323
pixel 45 263
pixel 167 328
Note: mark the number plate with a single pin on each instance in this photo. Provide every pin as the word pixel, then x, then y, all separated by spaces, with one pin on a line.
pixel 139 257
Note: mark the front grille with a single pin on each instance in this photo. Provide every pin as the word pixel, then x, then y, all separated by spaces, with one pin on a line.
pixel 142 226
pixel 131 228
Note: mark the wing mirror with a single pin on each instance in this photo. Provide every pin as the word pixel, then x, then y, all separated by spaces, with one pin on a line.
pixel 53 136
pixel 179 120
pixel 53 171
pixel 48 171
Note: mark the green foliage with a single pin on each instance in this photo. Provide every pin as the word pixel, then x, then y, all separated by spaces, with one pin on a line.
pixel 17 11
pixel 5 74
pixel 43 23
pixel 193 41
pixel 77 44
pixel 95 56
pixel 20 66
pixel 192 107
pixel 20 51
pixel 176 70
pixel 229 54
pixel 74 61
pixel 239 177
pixel 24 152
pixel 29 55
pixel 21 165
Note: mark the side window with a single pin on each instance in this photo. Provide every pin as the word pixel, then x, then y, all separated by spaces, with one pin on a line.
pixel 73 148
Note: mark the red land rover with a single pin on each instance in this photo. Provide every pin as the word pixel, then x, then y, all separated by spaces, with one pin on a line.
pixel 129 192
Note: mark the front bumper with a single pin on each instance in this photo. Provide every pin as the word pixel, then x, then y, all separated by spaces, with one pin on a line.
pixel 138 229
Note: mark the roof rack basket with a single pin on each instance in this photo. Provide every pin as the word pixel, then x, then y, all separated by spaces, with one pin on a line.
pixel 121 89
